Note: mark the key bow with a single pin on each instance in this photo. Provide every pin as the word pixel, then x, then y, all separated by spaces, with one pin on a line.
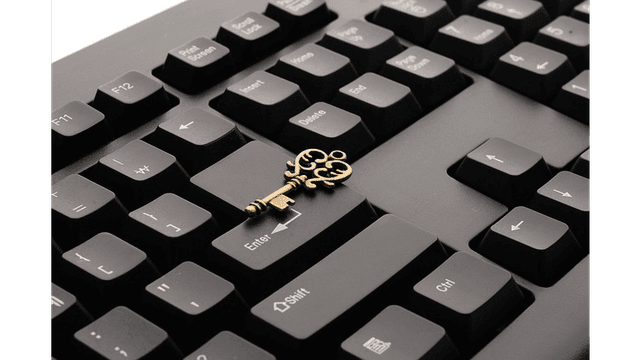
pixel 311 167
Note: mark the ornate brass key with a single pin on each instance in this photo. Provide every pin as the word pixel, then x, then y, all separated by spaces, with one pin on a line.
pixel 305 172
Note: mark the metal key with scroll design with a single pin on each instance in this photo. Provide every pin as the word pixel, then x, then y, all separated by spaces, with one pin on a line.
pixel 311 167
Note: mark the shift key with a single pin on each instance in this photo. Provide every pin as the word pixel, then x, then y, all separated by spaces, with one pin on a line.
pixel 331 300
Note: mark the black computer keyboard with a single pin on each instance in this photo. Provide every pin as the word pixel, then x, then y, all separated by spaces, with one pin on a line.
pixel 462 232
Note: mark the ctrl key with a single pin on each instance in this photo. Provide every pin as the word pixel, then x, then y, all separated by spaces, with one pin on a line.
pixel 399 334
pixel 468 296
pixel 123 334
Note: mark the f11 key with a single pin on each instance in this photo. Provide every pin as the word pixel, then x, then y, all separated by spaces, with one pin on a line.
pixel 76 128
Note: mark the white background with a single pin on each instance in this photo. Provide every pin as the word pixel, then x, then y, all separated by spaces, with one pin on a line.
pixel 76 24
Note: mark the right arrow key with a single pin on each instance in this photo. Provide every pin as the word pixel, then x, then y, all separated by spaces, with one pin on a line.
pixel 533 245
pixel 566 198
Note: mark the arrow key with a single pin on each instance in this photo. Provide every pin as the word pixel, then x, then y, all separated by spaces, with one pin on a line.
pixel 504 171
pixel 534 71
pixel 581 166
pixel 197 138
pixel 539 248
pixel 566 198
pixel 568 36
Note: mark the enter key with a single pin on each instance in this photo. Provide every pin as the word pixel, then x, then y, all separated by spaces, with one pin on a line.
pixel 266 251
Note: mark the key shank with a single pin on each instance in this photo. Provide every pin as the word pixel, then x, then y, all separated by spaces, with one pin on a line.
pixel 276 199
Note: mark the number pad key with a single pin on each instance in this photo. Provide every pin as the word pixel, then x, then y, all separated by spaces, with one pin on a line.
pixel 122 334
pixel 533 70
pixel 468 296
pixel 366 44
pixel 582 11
pixel 139 172
pixel 130 100
pixel 573 98
pixel 105 271
pixel 76 128
pixel 521 18
pixel 193 304
pixel 172 230
pixel 568 36
pixel 80 209
pixel 556 8
pixel 472 42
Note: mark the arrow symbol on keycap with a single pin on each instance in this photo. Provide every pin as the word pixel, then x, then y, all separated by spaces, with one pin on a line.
pixel 185 126
pixel 493 157
pixel 281 227
pixel 516 227
pixel 516 58
pixel 578 87
pixel 542 66
pixel 564 194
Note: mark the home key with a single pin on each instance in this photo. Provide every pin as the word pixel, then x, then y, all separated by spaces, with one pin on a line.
pixel 306 171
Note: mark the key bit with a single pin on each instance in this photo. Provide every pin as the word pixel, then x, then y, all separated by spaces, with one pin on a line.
pixel 305 172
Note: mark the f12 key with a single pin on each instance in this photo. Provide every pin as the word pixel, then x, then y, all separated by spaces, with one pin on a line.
pixel 131 100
